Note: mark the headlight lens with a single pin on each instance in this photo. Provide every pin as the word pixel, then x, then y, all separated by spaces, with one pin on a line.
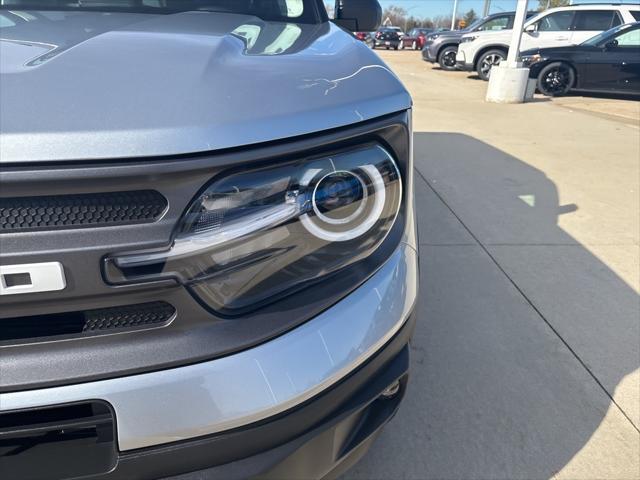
pixel 467 39
pixel 254 236
pixel 528 60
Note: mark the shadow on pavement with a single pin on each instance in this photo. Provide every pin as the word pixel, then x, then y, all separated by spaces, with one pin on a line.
pixel 523 334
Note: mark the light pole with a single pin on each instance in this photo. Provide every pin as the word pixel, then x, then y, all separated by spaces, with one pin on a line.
pixel 453 16
pixel 516 37
pixel 487 7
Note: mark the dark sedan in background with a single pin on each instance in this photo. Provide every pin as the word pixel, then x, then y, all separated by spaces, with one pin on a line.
pixel 608 62
pixel 441 47
pixel 388 37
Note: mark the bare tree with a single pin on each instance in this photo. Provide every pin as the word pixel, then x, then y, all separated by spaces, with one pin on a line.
pixel 544 4
pixel 442 21
pixel 470 17
pixel 394 15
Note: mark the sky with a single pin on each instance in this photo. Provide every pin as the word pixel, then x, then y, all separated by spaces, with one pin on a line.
pixel 433 8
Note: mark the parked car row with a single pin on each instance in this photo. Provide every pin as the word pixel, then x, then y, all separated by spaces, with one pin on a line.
pixel 582 47
pixel 441 47
pixel 396 38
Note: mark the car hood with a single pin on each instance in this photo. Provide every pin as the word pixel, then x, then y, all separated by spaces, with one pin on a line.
pixel 90 85
pixel 449 34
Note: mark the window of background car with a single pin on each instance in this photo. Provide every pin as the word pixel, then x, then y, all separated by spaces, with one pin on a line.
pixel 475 25
pixel 596 20
pixel 629 38
pixel 498 23
pixel 636 14
pixel 555 22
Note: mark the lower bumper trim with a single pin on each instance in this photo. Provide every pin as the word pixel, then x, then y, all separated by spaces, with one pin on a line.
pixel 461 65
pixel 321 438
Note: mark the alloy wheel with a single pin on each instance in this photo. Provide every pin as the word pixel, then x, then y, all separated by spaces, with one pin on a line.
pixel 449 59
pixel 489 62
pixel 556 80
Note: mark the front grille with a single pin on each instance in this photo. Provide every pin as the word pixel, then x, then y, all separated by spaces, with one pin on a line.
pixel 80 210
pixel 104 320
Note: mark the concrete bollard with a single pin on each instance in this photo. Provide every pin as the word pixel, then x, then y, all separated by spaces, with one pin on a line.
pixel 507 85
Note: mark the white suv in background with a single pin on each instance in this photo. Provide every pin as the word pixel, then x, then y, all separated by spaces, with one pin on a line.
pixel 555 27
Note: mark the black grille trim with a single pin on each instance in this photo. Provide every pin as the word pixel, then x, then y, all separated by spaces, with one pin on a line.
pixel 54 212
pixel 88 322
pixel 67 441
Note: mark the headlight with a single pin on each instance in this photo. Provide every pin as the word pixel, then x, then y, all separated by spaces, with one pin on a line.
pixel 529 60
pixel 467 39
pixel 254 236
pixel 433 37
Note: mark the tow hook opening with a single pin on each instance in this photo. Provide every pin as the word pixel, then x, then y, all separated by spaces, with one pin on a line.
pixel 391 391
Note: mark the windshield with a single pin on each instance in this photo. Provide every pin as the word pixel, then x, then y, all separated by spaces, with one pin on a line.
pixel 602 37
pixel 474 25
pixel 274 10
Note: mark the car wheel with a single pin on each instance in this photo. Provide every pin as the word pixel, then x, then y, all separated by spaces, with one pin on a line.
pixel 414 45
pixel 396 47
pixel 447 58
pixel 487 61
pixel 556 79
pixel 387 48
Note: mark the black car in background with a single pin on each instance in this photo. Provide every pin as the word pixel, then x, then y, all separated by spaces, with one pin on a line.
pixel 441 47
pixel 387 37
pixel 608 62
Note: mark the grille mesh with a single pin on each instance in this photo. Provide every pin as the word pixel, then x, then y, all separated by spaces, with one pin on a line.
pixel 81 210
pixel 127 317
pixel 87 322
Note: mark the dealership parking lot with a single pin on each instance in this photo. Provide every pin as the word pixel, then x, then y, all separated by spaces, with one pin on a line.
pixel 525 361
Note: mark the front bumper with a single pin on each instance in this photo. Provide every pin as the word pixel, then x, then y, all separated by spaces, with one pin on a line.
pixel 153 410
pixel 462 62
pixel 320 439
pixel 429 52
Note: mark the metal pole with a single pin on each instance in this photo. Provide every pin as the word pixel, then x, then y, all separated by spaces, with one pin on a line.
pixel 487 7
pixel 453 17
pixel 516 37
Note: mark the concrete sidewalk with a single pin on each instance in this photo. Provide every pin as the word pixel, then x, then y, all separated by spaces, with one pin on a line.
pixel 527 353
